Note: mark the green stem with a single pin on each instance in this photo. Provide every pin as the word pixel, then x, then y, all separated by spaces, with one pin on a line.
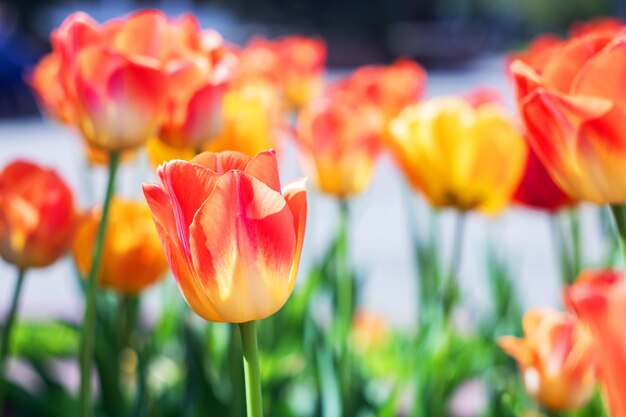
pixel 343 278
pixel 345 306
pixel 456 257
pixel 574 224
pixel 619 216
pixel 560 243
pixel 254 399
pixel 6 334
pixel 89 318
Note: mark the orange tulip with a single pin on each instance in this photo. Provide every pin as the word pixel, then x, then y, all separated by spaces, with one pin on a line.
pixel 555 359
pixel 598 298
pixel 232 236
pixel 538 52
pixel 37 216
pixel 389 88
pixel 47 82
pixel 129 79
pixel 132 255
pixel 294 63
pixel 459 156
pixel 575 115
pixel 339 139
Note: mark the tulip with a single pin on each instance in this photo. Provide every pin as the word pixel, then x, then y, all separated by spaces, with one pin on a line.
pixel 555 358
pixel 132 256
pixel 459 156
pixel 37 222
pixel 131 79
pixel 575 116
pixel 389 88
pixel 538 190
pixel 598 298
pixel 232 236
pixel 339 139
pixel 37 216
pixel 294 63
pixel 302 68
pixel 252 120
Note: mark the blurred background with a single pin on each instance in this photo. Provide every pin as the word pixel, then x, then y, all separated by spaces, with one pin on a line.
pixel 437 33
pixel 461 43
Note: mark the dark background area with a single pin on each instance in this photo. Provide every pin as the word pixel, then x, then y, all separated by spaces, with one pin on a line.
pixel 437 33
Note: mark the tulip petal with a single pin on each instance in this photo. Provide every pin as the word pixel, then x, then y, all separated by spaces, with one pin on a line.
pixel 188 186
pixel 190 286
pixel 264 168
pixel 295 195
pixel 604 75
pixel 555 123
pixel 143 33
pixel 222 162
pixel 598 299
pixel 562 69
pixel 204 119
pixel 243 246
pixel 526 79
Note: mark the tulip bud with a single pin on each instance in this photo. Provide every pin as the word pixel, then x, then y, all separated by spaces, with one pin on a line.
pixel 231 234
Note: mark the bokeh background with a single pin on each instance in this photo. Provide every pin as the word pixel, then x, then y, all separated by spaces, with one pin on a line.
pixel 461 43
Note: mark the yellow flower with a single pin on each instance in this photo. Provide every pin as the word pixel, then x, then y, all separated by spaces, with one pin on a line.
pixel 457 155
pixel 132 258
pixel 252 121
pixel 160 152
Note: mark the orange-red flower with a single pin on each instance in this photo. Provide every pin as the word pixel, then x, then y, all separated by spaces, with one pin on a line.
pixel 389 88
pixel 575 113
pixel 231 234
pixel 599 300
pixel 294 63
pixel 555 358
pixel 339 138
pixel 538 52
pixel 611 25
pixel 131 79
pixel 132 257
pixel 37 216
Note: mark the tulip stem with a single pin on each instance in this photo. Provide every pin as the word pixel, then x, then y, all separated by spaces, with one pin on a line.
pixel 619 215
pixel 560 243
pixel 6 334
pixel 345 305
pixel 450 289
pixel 254 399
pixel 89 318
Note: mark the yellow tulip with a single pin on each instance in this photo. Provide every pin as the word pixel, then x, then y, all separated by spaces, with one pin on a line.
pixel 160 152
pixel 457 155
pixel 252 119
